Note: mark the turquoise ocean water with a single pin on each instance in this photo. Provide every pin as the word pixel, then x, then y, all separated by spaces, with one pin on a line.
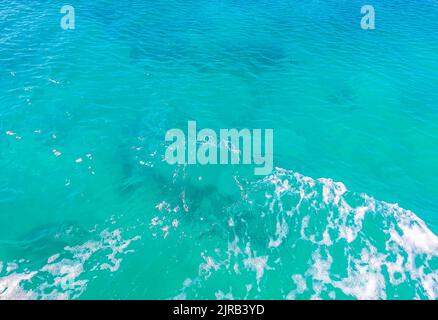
pixel 89 209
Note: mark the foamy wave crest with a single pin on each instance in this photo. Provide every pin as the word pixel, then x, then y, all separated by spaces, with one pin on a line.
pixel 304 238
pixel 61 277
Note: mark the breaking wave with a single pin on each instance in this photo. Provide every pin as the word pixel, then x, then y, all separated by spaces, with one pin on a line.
pixel 303 238
pixel 288 237
pixel 61 277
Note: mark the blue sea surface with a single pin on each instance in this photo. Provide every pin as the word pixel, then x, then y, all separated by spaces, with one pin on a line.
pixel 90 209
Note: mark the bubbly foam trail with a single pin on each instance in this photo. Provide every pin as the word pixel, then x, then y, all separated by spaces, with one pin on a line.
pixel 321 241
pixel 289 237
pixel 62 273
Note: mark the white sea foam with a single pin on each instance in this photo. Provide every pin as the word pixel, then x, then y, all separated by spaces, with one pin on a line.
pixel 301 286
pixel 10 286
pixel 338 243
pixel 321 240
pixel 65 271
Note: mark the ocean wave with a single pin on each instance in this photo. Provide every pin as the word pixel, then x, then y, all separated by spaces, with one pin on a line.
pixel 61 277
pixel 307 238
pixel 288 237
